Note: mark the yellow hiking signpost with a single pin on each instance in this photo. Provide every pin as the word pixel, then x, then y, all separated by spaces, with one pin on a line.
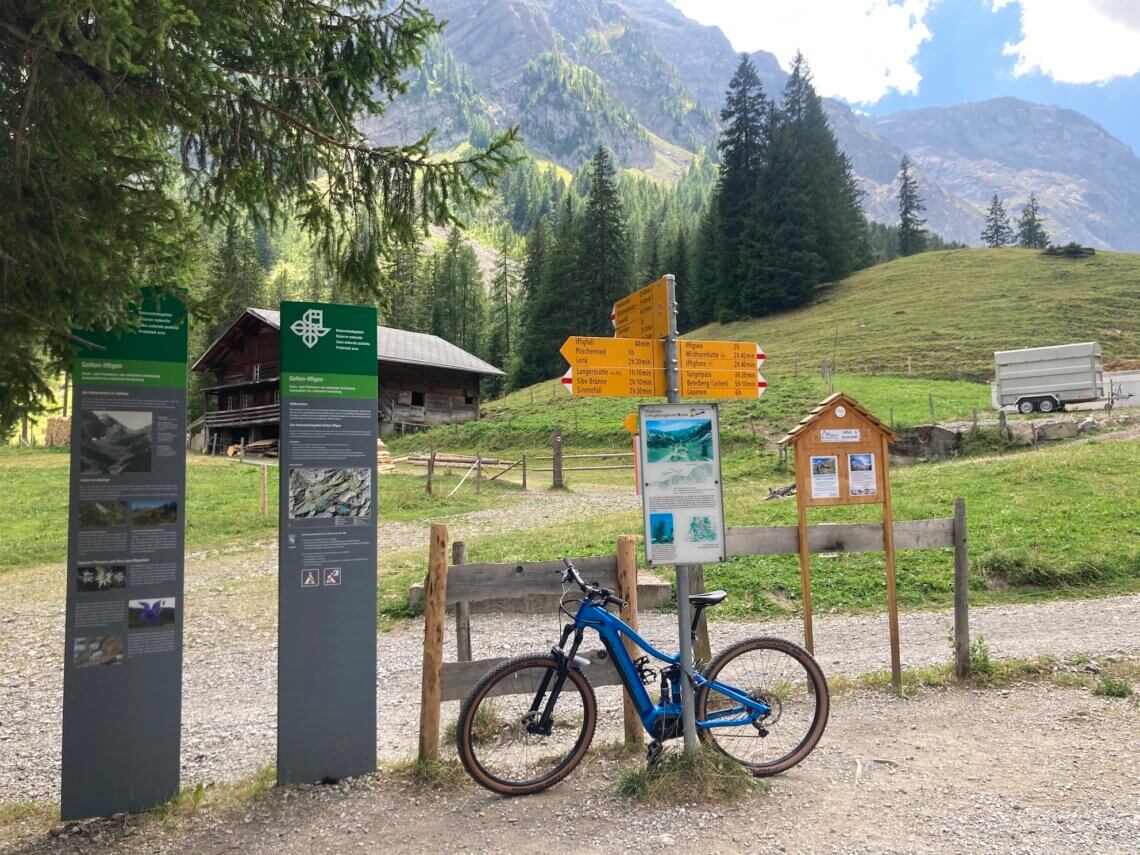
pixel 645 359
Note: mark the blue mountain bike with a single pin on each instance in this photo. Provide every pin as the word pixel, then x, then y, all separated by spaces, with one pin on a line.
pixel 528 722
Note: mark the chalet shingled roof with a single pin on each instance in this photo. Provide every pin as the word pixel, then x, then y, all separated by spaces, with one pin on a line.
pixel 826 405
pixel 393 345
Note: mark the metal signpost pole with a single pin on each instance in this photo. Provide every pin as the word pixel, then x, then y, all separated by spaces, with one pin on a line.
pixel 684 619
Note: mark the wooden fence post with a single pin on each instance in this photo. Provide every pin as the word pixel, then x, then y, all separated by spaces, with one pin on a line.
pixel 892 594
pixel 627 590
pixel 1003 428
pixel 430 470
pixel 930 401
pixel 961 592
pixel 435 598
pixel 264 491
pixel 556 459
pixel 524 471
pixel 975 421
pixel 462 610
pixel 805 565
pixel 478 472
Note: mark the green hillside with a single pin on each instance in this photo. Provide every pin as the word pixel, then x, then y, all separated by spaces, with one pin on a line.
pixel 948 311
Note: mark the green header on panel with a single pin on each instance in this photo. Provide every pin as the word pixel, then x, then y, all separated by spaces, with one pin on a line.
pixel 327 339
pixel 161 336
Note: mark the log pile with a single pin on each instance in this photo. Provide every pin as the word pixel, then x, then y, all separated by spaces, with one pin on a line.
pixel 58 432
pixel 384 465
pixel 264 447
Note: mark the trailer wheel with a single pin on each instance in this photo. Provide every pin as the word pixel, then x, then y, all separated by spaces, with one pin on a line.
pixel 1046 405
pixel 1025 406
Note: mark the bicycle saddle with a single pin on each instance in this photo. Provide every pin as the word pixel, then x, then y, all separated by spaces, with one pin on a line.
pixel 709 599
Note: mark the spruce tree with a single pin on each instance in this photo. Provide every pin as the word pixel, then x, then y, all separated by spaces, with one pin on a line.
pixel 742 146
pixel 912 227
pixel 604 273
pixel 649 255
pixel 1031 232
pixel 532 349
pixel 677 262
pixel 997 231
pixel 501 313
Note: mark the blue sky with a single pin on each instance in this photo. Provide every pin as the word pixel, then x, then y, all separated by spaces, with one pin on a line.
pixel 887 55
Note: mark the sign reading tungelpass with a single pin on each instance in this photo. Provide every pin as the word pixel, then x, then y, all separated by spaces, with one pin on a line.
pixel 122 675
pixel 326 661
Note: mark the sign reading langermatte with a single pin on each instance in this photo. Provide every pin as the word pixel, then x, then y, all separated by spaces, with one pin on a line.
pixel 326 660
pixel 122 683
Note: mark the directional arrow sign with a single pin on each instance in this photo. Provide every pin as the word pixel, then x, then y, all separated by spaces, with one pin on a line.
pixel 615 382
pixel 594 352
pixel 630 423
pixel 644 313
pixel 719 355
pixel 704 383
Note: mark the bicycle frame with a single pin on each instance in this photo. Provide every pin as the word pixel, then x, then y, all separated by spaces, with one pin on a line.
pixel 613 632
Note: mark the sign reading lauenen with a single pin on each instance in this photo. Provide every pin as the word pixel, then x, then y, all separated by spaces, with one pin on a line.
pixel 326 661
pixel 679 463
pixel 122 676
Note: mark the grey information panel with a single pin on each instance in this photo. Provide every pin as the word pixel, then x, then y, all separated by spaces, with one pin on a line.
pixel 326 689
pixel 122 684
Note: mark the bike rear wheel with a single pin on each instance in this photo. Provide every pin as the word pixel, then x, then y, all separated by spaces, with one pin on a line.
pixel 784 676
pixel 493 739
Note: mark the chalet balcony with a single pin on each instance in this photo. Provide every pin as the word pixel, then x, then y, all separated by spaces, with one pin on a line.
pixel 242 416
pixel 246 375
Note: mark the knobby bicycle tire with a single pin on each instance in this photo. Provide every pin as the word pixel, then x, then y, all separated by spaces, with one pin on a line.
pixel 465 741
pixel 814 673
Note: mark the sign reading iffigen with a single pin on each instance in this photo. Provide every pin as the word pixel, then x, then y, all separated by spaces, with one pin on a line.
pixel 682 500
pixel 122 675
pixel 326 661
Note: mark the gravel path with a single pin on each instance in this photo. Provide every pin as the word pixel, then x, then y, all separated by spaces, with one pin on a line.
pixel 230 673
pixel 1035 768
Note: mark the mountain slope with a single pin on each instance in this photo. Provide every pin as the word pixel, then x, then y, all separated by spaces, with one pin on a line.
pixel 1088 182
pixel 645 80
pixel 945 313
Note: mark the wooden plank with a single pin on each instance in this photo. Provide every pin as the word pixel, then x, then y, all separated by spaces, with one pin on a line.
pixel 434 614
pixel 458 678
pixel 889 549
pixel 847 537
pixel 476 582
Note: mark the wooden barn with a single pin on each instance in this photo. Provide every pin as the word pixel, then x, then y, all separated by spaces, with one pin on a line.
pixel 423 381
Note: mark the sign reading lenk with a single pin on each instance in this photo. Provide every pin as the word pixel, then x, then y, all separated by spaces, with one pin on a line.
pixel 122 683
pixel 679 466
pixel 326 691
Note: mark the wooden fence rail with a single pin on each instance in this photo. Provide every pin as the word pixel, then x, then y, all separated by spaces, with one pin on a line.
pixel 462 584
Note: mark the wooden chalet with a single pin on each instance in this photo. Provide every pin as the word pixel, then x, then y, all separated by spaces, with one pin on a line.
pixel 423 381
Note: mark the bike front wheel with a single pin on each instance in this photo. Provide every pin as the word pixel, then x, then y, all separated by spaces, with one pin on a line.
pixel 498 737
pixel 786 678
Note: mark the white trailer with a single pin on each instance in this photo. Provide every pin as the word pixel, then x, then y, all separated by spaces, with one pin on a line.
pixel 1047 378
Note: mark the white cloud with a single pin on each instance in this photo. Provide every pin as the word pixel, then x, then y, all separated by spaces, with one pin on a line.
pixel 858 49
pixel 1076 41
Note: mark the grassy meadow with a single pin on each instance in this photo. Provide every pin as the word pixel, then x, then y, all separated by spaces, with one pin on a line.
pixel 948 311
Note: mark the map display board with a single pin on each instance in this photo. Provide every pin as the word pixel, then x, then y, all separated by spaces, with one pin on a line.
pixel 122 676
pixel 681 488
pixel 326 660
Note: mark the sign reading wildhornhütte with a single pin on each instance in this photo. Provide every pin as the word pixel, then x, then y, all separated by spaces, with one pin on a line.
pixel 122 676
pixel 326 662
pixel 679 467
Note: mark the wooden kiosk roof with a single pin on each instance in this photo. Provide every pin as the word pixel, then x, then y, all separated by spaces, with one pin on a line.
pixel 827 405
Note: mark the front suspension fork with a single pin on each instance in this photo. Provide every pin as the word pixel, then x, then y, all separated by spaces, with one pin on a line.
pixel 554 680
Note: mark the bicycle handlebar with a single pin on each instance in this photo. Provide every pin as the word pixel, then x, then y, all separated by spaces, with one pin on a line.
pixel 593 589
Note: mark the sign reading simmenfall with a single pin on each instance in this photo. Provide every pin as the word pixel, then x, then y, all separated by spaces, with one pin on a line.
pixel 326 687
pixel 616 382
